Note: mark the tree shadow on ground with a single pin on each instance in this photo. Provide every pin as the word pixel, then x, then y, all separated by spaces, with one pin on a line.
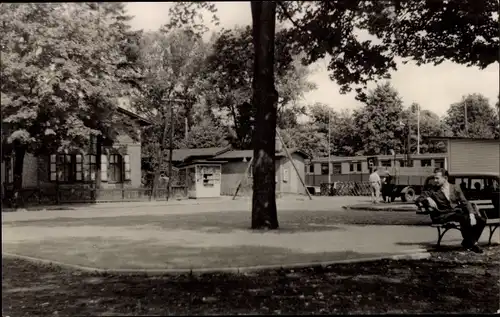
pixel 227 221
pixel 372 287
pixel 433 246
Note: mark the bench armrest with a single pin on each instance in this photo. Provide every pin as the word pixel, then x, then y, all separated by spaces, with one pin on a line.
pixel 480 211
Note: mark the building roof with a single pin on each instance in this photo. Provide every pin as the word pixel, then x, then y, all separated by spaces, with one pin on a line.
pixel 125 107
pixel 460 138
pixel 142 121
pixel 336 159
pixel 179 155
pixel 200 162
pixel 240 154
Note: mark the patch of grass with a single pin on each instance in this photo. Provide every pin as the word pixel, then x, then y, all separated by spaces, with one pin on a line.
pixel 119 253
pixel 449 282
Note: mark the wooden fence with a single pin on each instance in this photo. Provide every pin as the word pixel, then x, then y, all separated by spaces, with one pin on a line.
pixel 345 189
pixel 51 196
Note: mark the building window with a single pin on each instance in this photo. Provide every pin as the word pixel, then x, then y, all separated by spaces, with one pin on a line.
pixel 90 167
pixel 385 163
pixel 324 169
pixel 115 168
pixel 311 169
pixel 66 168
pixel 405 163
pixel 439 163
pixel 426 163
pixel 337 169
pixel 355 167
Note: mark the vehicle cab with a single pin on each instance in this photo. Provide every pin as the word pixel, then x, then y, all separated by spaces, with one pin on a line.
pixel 475 186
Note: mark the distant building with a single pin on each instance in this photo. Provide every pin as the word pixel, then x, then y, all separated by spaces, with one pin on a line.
pixel 472 155
pixel 212 172
pixel 120 168
pixel 287 180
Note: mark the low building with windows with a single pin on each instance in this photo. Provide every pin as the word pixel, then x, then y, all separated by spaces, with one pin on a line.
pixel 82 176
pixel 212 172
pixel 237 170
pixel 356 169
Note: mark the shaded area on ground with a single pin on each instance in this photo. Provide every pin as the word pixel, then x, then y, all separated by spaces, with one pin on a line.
pixel 226 221
pixel 382 207
pixel 450 282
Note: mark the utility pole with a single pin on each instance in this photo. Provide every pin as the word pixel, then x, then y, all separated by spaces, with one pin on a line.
pixel 418 129
pixel 408 144
pixel 465 115
pixel 186 128
pixel 171 149
pixel 329 150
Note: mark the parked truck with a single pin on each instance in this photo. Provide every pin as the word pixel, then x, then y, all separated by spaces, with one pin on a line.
pixel 404 182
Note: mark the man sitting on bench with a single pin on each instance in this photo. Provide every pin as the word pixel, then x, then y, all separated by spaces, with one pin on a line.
pixel 446 203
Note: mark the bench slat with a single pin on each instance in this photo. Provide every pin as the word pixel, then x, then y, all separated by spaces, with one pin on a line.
pixel 485 207
pixel 493 221
pixel 481 201
pixel 447 224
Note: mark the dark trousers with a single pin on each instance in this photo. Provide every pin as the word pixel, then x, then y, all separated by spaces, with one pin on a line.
pixel 470 234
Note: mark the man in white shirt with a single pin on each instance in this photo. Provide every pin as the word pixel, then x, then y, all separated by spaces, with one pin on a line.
pixel 375 184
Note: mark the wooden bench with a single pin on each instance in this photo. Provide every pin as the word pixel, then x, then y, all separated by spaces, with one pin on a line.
pixel 482 206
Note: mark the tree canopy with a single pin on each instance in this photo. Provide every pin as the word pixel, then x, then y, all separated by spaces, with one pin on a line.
pixel 462 31
pixel 63 67
pixel 481 120
pixel 229 82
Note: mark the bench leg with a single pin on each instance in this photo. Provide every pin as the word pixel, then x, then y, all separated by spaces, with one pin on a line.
pixel 440 236
pixel 492 230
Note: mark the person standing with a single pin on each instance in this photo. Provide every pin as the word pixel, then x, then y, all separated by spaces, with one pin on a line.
pixel 375 184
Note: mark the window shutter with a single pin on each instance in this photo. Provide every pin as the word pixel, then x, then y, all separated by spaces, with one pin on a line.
pixel 53 168
pixel 104 168
pixel 10 170
pixel 78 168
pixel 126 167
pixel 86 167
pixel 93 167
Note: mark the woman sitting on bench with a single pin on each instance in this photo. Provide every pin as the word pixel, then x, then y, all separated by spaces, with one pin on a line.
pixel 446 203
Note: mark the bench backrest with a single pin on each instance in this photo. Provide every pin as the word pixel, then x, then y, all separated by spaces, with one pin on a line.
pixel 483 206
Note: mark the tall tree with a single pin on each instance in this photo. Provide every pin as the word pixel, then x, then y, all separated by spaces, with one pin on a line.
pixel 228 82
pixel 264 99
pixel 169 61
pixel 464 31
pixel 379 121
pixel 205 133
pixel 63 66
pixel 306 137
pixel 473 116
pixel 430 126
pixel 346 135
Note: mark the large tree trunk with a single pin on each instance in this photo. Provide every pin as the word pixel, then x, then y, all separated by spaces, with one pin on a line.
pixel 265 97
pixel 19 154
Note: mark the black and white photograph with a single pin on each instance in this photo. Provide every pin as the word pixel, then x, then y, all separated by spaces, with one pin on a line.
pixel 250 157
